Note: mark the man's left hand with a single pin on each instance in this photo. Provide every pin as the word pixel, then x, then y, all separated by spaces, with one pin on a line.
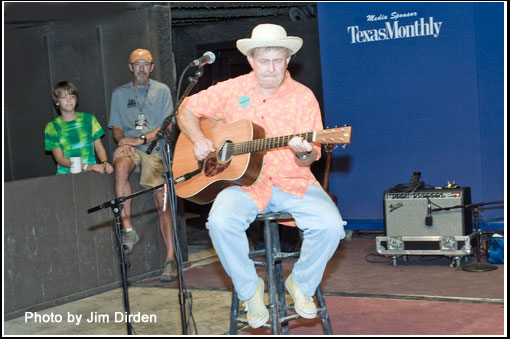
pixel 300 145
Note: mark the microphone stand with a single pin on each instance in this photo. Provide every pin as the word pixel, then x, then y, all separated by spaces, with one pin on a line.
pixel 116 206
pixel 167 152
pixel 475 210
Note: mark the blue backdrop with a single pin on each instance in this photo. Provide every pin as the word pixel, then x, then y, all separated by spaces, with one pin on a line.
pixel 422 85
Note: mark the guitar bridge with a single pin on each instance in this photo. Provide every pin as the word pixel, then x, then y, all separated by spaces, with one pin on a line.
pixel 213 167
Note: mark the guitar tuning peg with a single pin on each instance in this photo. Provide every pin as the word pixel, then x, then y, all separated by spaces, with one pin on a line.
pixel 336 126
pixel 344 146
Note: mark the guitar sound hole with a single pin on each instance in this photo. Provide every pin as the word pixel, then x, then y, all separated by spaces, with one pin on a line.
pixel 212 167
pixel 226 150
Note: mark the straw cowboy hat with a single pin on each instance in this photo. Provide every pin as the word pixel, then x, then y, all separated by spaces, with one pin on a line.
pixel 269 35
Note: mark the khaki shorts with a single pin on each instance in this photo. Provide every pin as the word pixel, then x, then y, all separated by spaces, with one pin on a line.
pixel 151 167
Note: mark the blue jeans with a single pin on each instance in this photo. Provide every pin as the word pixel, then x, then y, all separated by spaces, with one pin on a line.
pixel 315 214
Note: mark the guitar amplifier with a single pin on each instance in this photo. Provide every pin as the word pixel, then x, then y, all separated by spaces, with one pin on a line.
pixel 415 225
pixel 412 214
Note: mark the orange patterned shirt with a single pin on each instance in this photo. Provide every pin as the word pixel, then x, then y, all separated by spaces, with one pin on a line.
pixel 291 109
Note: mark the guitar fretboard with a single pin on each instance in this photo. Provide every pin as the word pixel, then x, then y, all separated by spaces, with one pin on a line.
pixel 268 143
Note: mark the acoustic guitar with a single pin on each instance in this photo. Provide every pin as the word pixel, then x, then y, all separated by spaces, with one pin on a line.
pixel 238 158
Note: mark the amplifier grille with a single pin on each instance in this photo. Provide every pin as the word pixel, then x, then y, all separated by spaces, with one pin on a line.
pixel 405 213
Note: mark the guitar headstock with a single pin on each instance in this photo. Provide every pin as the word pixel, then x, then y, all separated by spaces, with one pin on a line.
pixel 337 135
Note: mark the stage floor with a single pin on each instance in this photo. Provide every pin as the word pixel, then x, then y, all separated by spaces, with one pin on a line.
pixel 365 295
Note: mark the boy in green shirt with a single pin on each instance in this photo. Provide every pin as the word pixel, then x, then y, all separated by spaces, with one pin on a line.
pixel 74 134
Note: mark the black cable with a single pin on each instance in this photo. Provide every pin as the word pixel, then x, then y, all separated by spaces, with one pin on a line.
pixel 180 81
pixel 191 317
pixel 432 203
pixel 483 222
pixel 379 256
pixel 432 258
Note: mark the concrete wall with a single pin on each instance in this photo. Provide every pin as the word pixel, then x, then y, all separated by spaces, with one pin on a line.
pixel 56 252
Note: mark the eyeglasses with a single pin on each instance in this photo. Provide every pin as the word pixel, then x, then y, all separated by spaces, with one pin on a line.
pixel 141 64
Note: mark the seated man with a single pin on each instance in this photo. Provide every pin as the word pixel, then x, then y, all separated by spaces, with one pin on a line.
pixel 268 97
pixel 137 111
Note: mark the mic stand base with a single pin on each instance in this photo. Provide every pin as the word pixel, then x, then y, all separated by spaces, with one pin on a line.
pixel 479 267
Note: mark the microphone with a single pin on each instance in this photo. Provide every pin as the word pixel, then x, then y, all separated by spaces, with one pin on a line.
pixel 428 218
pixel 207 58
pixel 191 174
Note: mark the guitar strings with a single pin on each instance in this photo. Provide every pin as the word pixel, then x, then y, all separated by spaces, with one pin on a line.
pixel 262 144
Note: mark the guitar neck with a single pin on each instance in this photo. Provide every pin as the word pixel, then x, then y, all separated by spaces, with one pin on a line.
pixel 269 143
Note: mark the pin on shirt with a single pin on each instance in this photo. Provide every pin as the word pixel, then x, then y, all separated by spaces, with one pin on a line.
pixel 140 122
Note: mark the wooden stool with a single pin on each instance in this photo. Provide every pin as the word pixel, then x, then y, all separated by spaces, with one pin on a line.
pixel 277 305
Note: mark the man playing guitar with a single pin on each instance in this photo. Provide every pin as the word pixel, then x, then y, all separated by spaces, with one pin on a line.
pixel 268 97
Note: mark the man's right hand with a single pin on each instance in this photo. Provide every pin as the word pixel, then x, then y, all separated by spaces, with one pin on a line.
pixel 130 141
pixel 203 148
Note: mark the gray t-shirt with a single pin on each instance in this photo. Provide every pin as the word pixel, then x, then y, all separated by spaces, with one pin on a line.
pixel 146 107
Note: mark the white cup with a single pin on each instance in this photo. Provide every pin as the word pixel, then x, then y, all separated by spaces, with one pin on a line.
pixel 75 164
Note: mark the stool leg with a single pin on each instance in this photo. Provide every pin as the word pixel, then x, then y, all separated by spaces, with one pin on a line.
pixel 281 296
pixel 278 275
pixel 323 310
pixel 234 313
pixel 268 239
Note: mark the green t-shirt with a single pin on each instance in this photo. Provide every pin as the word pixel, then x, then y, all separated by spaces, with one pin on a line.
pixel 76 138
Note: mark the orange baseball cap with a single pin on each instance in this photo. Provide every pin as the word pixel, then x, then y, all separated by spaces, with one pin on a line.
pixel 140 54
